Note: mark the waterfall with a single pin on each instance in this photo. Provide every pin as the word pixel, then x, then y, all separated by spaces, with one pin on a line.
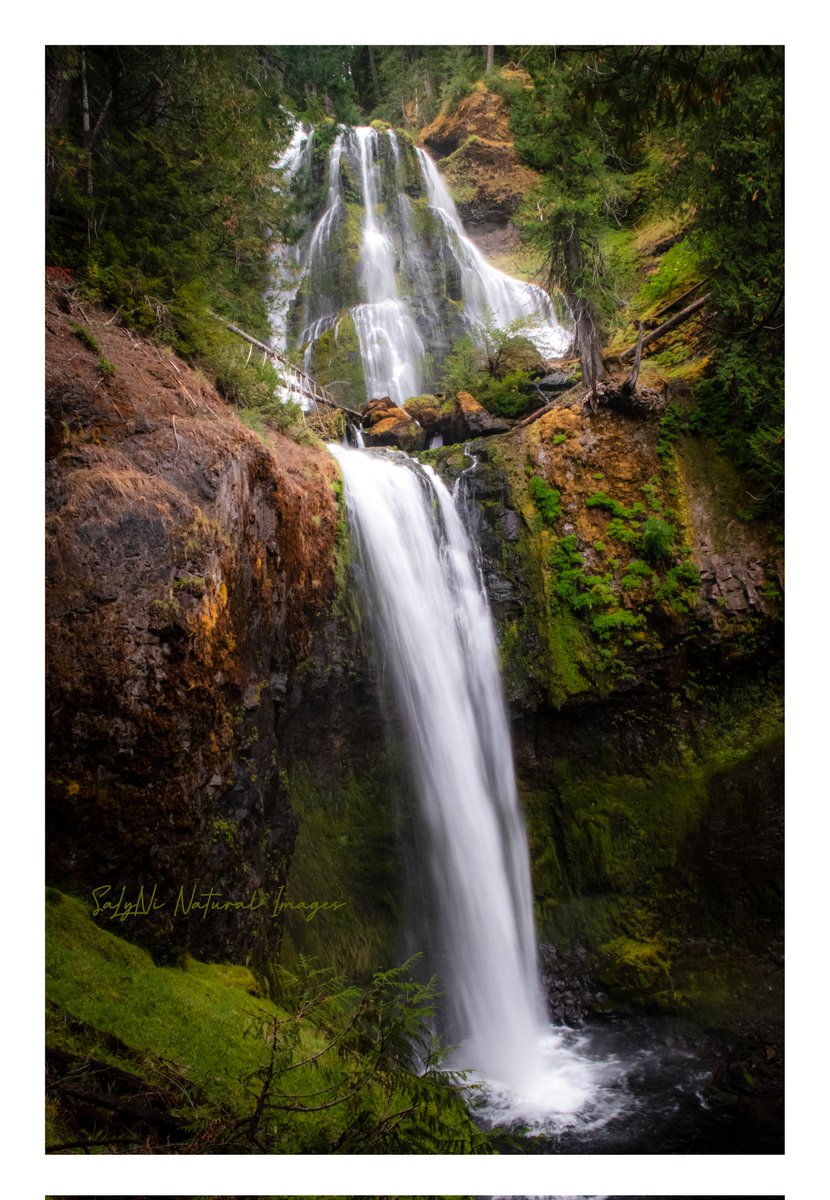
pixel 491 296
pixel 435 630
pixel 475 915
pixel 387 268
pixel 389 344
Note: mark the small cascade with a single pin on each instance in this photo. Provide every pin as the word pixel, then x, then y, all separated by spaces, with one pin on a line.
pixel 490 296
pixel 286 261
pixel 314 255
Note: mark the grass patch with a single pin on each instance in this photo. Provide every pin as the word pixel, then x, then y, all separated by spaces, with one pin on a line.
pixel 86 336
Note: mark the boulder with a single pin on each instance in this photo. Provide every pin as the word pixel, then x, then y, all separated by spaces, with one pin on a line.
pixel 385 424
pixel 478 421
pixel 556 381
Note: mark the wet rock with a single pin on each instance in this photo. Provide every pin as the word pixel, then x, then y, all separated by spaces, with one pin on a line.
pixel 556 381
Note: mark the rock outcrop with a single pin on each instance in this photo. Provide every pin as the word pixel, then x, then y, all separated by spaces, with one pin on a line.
pixel 188 564
pixel 385 424
pixel 475 145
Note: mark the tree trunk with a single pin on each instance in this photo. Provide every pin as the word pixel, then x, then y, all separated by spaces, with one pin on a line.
pixel 85 122
pixel 491 58
pixel 631 381
pixel 58 95
pixel 373 67
pixel 587 335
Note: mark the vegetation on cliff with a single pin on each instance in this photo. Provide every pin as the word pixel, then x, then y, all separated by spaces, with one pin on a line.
pixel 619 132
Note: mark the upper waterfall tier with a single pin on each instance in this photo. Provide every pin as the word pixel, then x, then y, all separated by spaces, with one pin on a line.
pixel 384 280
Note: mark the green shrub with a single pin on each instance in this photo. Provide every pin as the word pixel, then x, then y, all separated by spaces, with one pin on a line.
pixel 87 337
pixel 507 397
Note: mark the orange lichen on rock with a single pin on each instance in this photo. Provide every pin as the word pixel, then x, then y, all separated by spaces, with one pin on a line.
pixel 479 160
pixel 187 563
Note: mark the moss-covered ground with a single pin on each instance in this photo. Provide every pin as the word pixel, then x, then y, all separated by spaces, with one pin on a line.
pixel 192 1045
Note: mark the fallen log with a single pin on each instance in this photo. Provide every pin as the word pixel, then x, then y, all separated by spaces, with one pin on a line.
pixel 312 388
pixel 667 326
pixel 677 300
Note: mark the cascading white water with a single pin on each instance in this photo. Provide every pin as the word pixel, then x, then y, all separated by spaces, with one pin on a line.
pixel 436 636
pixel 491 296
pixel 286 261
pixel 389 344
pixel 436 633
pixel 414 283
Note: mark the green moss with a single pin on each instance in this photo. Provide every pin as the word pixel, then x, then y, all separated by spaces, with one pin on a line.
pixel 679 269
pixel 198 1036
pixel 226 831
pixel 610 840
pixel 337 364
pixel 443 405
pixel 345 851
pixel 195 1016
pixel 546 499
pixel 639 970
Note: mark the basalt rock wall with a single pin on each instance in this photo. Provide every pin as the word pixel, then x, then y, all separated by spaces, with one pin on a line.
pixel 188 566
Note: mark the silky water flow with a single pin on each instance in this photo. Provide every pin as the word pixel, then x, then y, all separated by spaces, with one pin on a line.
pixel 436 637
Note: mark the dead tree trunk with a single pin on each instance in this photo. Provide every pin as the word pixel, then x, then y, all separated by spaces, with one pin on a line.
pixel 587 339
pixel 666 327
pixel 631 382
pixel 85 123
pixel 58 97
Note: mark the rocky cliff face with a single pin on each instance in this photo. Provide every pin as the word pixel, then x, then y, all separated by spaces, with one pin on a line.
pixel 188 565
pixel 474 145
pixel 639 620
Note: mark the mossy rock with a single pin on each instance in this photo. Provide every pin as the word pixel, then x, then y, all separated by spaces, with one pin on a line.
pixel 336 362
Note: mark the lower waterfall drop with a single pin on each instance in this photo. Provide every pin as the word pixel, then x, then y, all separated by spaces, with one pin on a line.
pixel 437 640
